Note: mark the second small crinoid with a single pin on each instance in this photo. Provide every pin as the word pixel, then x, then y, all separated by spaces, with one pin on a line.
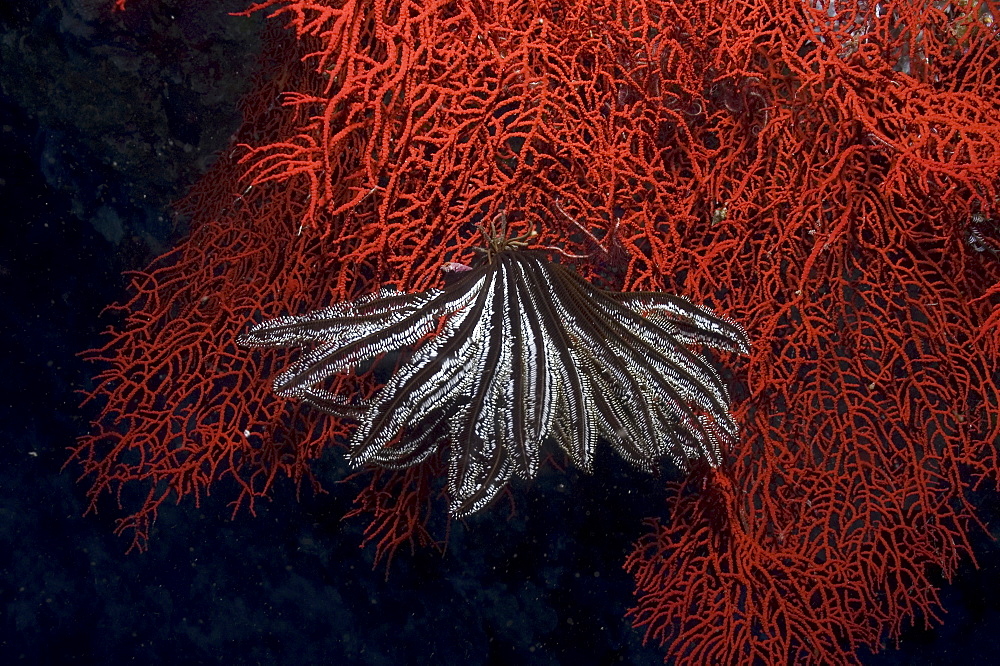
pixel 514 355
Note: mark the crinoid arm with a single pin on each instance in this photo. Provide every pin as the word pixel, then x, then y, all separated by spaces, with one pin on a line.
pixel 517 353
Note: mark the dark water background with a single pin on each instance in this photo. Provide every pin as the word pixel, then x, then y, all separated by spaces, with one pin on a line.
pixel 102 124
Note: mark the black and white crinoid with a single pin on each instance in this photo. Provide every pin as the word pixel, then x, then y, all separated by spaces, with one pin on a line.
pixel 516 353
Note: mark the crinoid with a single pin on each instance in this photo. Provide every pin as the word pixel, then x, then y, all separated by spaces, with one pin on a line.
pixel 513 354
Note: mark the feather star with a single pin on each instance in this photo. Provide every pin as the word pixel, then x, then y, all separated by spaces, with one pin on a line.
pixel 512 355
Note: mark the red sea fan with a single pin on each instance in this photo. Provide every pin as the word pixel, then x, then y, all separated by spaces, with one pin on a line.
pixel 824 172
pixel 873 390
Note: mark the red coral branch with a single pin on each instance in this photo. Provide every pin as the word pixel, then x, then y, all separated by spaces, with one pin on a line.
pixel 398 507
pixel 813 170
